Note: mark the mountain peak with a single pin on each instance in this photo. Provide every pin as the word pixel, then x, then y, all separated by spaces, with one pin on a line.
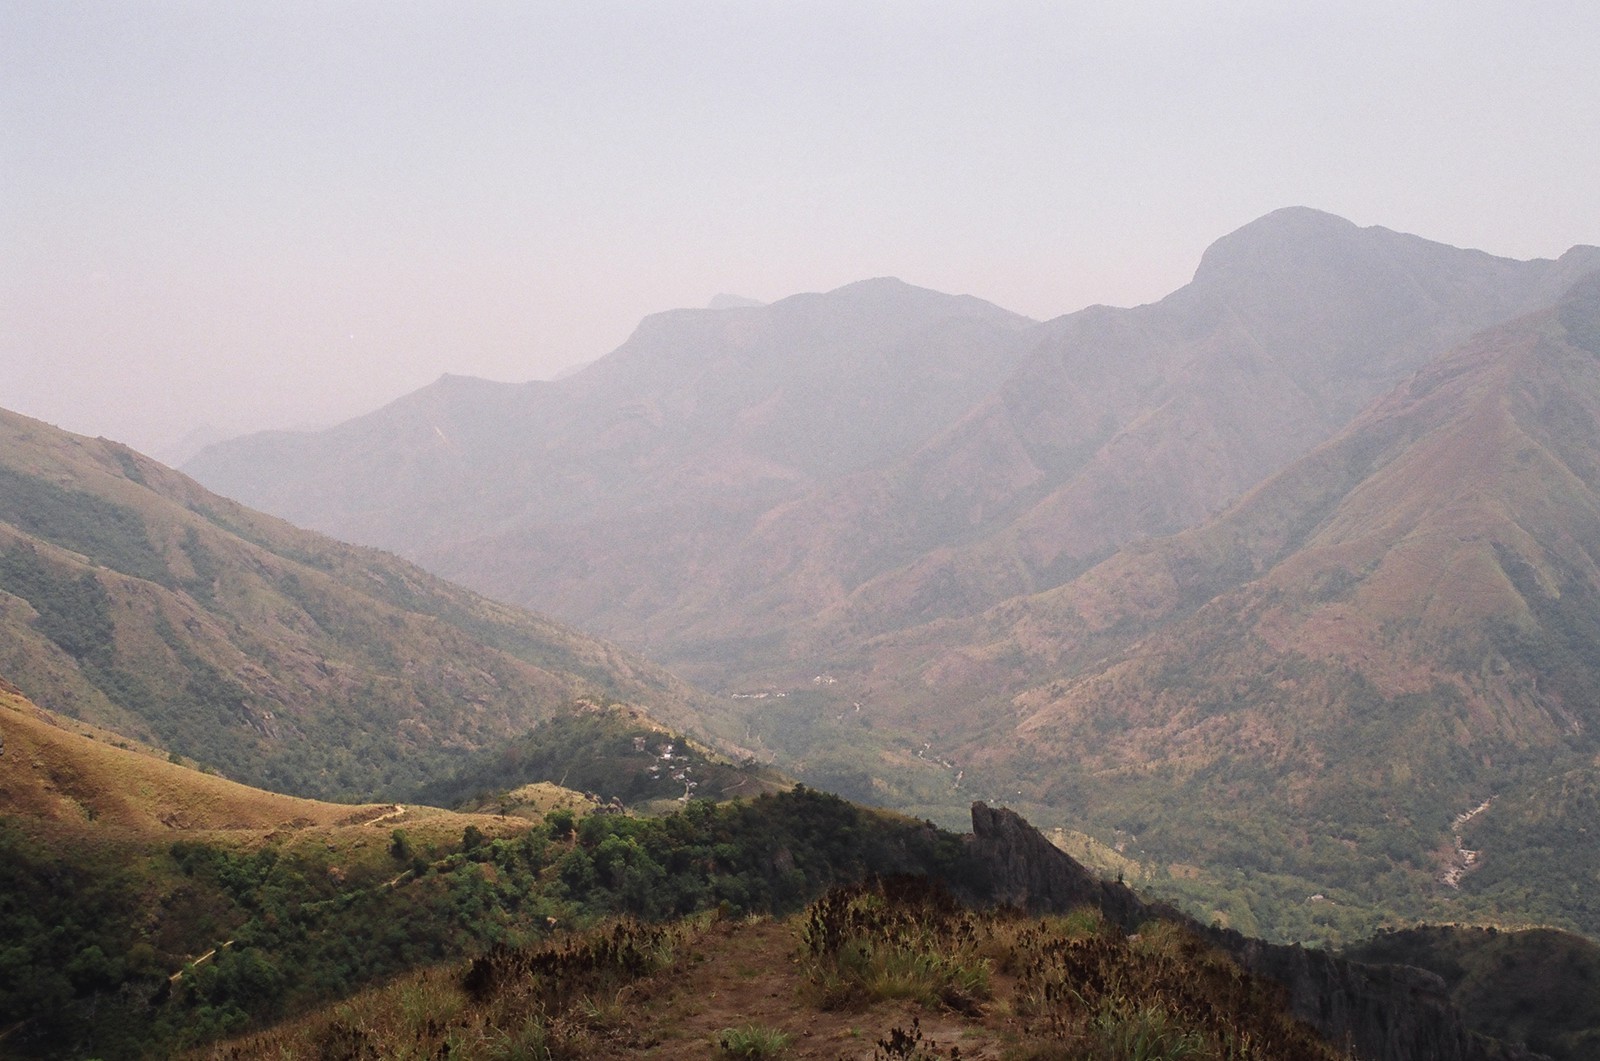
pixel 883 293
pixel 1294 232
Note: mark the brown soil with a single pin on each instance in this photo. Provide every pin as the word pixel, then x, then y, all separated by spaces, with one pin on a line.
pixel 750 973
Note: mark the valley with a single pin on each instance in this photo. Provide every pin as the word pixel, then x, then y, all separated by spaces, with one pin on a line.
pixel 1276 600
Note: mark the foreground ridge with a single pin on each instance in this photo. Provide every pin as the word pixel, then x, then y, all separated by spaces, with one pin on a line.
pixel 1377 1011
pixel 1036 958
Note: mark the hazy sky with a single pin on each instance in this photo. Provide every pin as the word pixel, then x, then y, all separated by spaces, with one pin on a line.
pixel 263 213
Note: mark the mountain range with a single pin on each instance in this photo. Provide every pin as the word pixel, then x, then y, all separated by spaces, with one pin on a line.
pixel 1280 598
pixel 1286 579
pixel 840 465
pixel 1396 629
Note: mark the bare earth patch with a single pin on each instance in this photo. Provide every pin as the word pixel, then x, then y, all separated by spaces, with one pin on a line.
pixel 749 972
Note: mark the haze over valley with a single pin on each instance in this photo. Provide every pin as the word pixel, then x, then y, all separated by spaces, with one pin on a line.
pixel 821 531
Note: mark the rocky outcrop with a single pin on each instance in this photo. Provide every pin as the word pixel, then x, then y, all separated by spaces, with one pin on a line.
pixel 1030 873
pixel 1378 1012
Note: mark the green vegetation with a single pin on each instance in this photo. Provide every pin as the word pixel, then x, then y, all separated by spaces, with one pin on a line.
pixel 1550 825
pixel 73 609
pixel 102 530
pixel 753 1041
pixel 901 938
pixel 617 754
pixel 288 925
pixel 1538 986
pixel 69 933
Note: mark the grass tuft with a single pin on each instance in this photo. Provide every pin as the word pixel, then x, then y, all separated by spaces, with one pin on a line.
pixel 753 1041
pixel 899 937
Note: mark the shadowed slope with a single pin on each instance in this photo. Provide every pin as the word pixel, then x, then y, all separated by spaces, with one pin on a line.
pixel 1536 986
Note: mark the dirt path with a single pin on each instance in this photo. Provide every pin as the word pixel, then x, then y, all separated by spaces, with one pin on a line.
pixel 743 973
pixel 398 811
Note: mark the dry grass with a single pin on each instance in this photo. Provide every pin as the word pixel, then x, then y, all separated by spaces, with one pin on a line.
pixel 68 772
pixel 63 776
pixel 1068 988
pixel 562 999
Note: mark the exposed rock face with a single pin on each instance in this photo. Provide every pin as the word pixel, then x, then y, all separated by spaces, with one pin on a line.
pixel 1029 872
pixel 1380 1012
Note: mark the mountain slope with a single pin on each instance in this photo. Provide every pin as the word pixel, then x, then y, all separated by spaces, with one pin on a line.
pixel 65 775
pixel 134 599
pixel 1396 628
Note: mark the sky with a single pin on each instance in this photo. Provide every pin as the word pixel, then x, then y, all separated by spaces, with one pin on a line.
pixel 290 212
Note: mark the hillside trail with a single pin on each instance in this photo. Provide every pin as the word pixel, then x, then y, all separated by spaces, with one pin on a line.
pixel 750 973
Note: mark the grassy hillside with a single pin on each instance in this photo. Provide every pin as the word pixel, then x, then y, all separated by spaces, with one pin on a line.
pixel 119 870
pixel 134 599
pixel 63 774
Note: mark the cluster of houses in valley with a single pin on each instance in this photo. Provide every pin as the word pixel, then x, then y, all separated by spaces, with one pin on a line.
pixel 665 753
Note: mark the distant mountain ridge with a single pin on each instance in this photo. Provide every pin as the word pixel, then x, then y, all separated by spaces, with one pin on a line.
pixel 725 399
pixel 1120 424
pixel 741 492
pixel 674 445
